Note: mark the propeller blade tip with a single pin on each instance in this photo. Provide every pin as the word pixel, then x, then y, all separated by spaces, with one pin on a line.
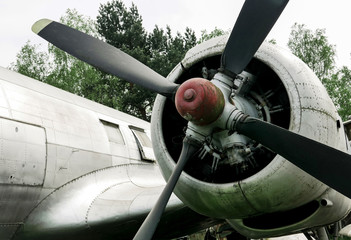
pixel 40 25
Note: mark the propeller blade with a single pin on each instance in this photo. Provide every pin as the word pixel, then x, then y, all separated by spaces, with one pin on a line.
pixel 255 21
pixel 327 164
pixel 147 229
pixel 103 56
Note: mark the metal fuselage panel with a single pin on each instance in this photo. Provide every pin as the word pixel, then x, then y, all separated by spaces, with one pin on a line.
pixel 49 138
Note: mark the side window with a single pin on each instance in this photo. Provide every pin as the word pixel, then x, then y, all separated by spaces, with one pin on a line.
pixel 113 133
pixel 144 144
pixel 347 126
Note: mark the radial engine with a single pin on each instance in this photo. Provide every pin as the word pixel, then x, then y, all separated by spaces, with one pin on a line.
pixel 232 177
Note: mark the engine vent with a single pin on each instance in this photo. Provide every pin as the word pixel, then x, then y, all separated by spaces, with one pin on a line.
pixel 282 219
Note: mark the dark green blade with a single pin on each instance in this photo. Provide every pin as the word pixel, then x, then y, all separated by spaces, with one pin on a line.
pixel 103 56
pixel 147 229
pixel 255 21
pixel 327 164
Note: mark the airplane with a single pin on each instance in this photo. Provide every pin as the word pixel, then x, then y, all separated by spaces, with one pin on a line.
pixel 243 132
pixel 71 168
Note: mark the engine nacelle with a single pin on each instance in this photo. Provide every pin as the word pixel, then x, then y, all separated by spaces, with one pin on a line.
pixel 259 193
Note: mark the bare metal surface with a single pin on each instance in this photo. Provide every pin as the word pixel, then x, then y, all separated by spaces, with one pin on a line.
pixel 59 166
pixel 23 153
pixel 280 186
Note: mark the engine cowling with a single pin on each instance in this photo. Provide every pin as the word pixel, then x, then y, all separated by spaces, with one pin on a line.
pixel 237 179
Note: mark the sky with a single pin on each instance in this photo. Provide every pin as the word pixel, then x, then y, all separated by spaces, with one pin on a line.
pixel 17 17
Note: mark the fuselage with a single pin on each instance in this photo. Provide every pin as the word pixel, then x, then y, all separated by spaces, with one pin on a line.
pixel 51 139
pixel 69 164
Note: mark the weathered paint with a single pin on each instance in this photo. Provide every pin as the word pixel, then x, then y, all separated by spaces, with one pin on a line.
pixel 199 101
pixel 280 186
pixel 60 166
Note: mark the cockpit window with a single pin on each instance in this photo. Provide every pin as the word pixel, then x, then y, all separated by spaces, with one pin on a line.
pixel 143 138
pixel 144 144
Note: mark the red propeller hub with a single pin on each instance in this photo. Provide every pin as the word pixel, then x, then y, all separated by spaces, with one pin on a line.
pixel 199 101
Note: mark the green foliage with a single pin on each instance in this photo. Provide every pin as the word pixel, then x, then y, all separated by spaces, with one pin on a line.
pixel 160 50
pixel 214 33
pixel 315 50
pixel 31 62
pixel 67 72
pixel 56 67
pixel 339 87
pixel 166 51
pixel 122 28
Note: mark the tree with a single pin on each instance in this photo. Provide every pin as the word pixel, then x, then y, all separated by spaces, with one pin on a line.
pixel 122 28
pixel 67 72
pixel 167 51
pixel 31 62
pixel 214 33
pixel 56 67
pixel 315 50
pixel 341 94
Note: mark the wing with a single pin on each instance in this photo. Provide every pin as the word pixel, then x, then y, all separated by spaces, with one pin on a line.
pixel 107 204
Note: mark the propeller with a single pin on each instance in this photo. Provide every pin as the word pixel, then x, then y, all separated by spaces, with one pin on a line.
pixel 103 56
pixel 147 229
pixel 255 21
pixel 325 163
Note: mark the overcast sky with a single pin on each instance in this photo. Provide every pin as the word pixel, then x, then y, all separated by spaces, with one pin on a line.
pixel 17 17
